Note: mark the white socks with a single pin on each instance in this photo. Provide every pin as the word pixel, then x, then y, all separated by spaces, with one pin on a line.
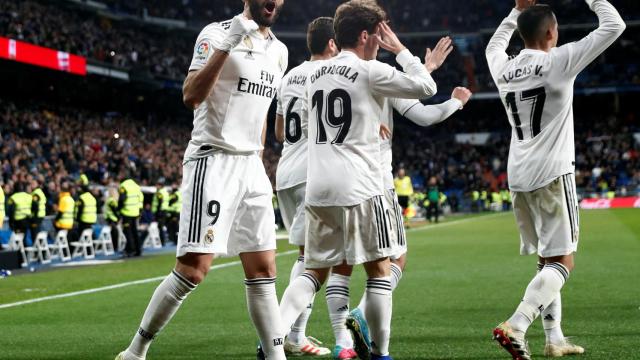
pixel 378 313
pixel 541 292
pixel 396 276
pixel 166 300
pixel 297 297
pixel 338 304
pixel 298 330
pixel 262 303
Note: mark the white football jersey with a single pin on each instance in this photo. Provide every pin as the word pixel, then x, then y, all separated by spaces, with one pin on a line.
pixel 536 89
pixel 292 167
pixel 232 117
pixel 345 97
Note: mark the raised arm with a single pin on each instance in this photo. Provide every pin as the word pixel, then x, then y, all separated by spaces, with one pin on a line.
pixel 414 83
pixel 211 52
pixel 427 115
pixel 496 50
pixel 578 55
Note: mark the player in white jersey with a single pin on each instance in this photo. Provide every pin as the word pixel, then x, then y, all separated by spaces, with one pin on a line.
pixel 536 88
pixel 423 115
pixel 235 73
pixel 345 207
pixel 291 176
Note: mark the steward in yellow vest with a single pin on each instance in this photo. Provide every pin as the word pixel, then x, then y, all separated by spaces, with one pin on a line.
pixel 160 207
pixel 38 210
pixel 19 210
pixel 86 210
pixel 130 202
pixel 404 189
pixel 175 205
pixel 66 207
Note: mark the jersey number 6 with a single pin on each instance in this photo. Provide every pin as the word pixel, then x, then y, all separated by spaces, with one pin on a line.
pixel 338 114
pixel 292 123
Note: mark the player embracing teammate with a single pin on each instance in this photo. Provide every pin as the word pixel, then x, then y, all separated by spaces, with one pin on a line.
pixel 536 88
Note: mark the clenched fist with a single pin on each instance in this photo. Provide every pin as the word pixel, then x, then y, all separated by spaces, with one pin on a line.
pixel 461 93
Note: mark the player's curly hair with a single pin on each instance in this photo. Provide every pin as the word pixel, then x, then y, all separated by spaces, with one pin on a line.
pixel 354 17
pixel 319 33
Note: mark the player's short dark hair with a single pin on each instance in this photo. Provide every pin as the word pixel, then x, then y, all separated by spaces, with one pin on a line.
pixel 354 17
pixel 319 33
pixel 534 22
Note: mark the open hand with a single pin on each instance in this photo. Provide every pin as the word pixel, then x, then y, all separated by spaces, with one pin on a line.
pixel 385 132
pixel 388 40
pixel 434 59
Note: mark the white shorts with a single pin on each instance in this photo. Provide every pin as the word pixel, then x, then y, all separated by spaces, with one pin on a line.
pixel 291 202
pixel 226 206
pixel 548 218
pixel 355 234
pixel 396 221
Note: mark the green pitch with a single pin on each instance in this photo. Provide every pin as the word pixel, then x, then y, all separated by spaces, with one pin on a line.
pixel 463 277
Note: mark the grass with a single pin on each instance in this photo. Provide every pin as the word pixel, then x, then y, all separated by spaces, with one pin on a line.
pixel 461 280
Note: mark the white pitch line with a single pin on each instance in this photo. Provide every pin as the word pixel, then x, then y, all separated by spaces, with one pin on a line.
pixel 118 286
pixel 215 267
pixel 456 222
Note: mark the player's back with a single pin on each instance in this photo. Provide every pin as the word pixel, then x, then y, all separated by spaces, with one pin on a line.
pixel 292 167
pixel 536 88
pixel 538 96
pixel 344 144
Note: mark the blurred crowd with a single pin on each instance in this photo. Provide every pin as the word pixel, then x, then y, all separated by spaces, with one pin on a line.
pixel 407 15
pixel 166 53
pixel 45 146
pixel 149 49
pixel 49 144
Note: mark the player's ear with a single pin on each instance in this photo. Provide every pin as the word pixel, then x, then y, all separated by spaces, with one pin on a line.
pixel 364 37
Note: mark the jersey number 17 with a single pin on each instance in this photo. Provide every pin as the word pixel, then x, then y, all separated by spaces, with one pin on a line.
pixel 536 99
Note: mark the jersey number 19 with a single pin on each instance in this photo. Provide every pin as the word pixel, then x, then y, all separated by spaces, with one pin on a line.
pixel 338 114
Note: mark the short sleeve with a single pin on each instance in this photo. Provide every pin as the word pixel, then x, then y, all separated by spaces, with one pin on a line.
pixel 209 39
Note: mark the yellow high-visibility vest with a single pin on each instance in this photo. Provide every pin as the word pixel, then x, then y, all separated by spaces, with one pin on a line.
pixel 133 199
pixel 89 208
pixel 42 203
pixel 21 201
pixel 66 207
pixel 110 211
pixel 403 186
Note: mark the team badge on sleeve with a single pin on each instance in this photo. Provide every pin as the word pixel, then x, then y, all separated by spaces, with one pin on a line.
pixel 202 50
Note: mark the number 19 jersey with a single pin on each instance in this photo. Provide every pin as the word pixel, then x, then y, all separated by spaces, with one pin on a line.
pixel 292 167
pixel 345 97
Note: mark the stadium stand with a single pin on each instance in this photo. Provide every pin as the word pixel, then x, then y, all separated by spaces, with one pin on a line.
pixel 68 125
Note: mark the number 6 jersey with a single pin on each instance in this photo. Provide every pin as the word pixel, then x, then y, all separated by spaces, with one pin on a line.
pixel 292 167
pixel 345 96
pixel 536 89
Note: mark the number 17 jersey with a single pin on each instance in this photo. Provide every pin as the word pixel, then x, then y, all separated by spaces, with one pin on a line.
pixel 292 167
pixel 536 88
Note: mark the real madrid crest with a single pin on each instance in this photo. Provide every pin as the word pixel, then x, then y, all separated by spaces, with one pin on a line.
pixel 209 236
pixel 249 44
